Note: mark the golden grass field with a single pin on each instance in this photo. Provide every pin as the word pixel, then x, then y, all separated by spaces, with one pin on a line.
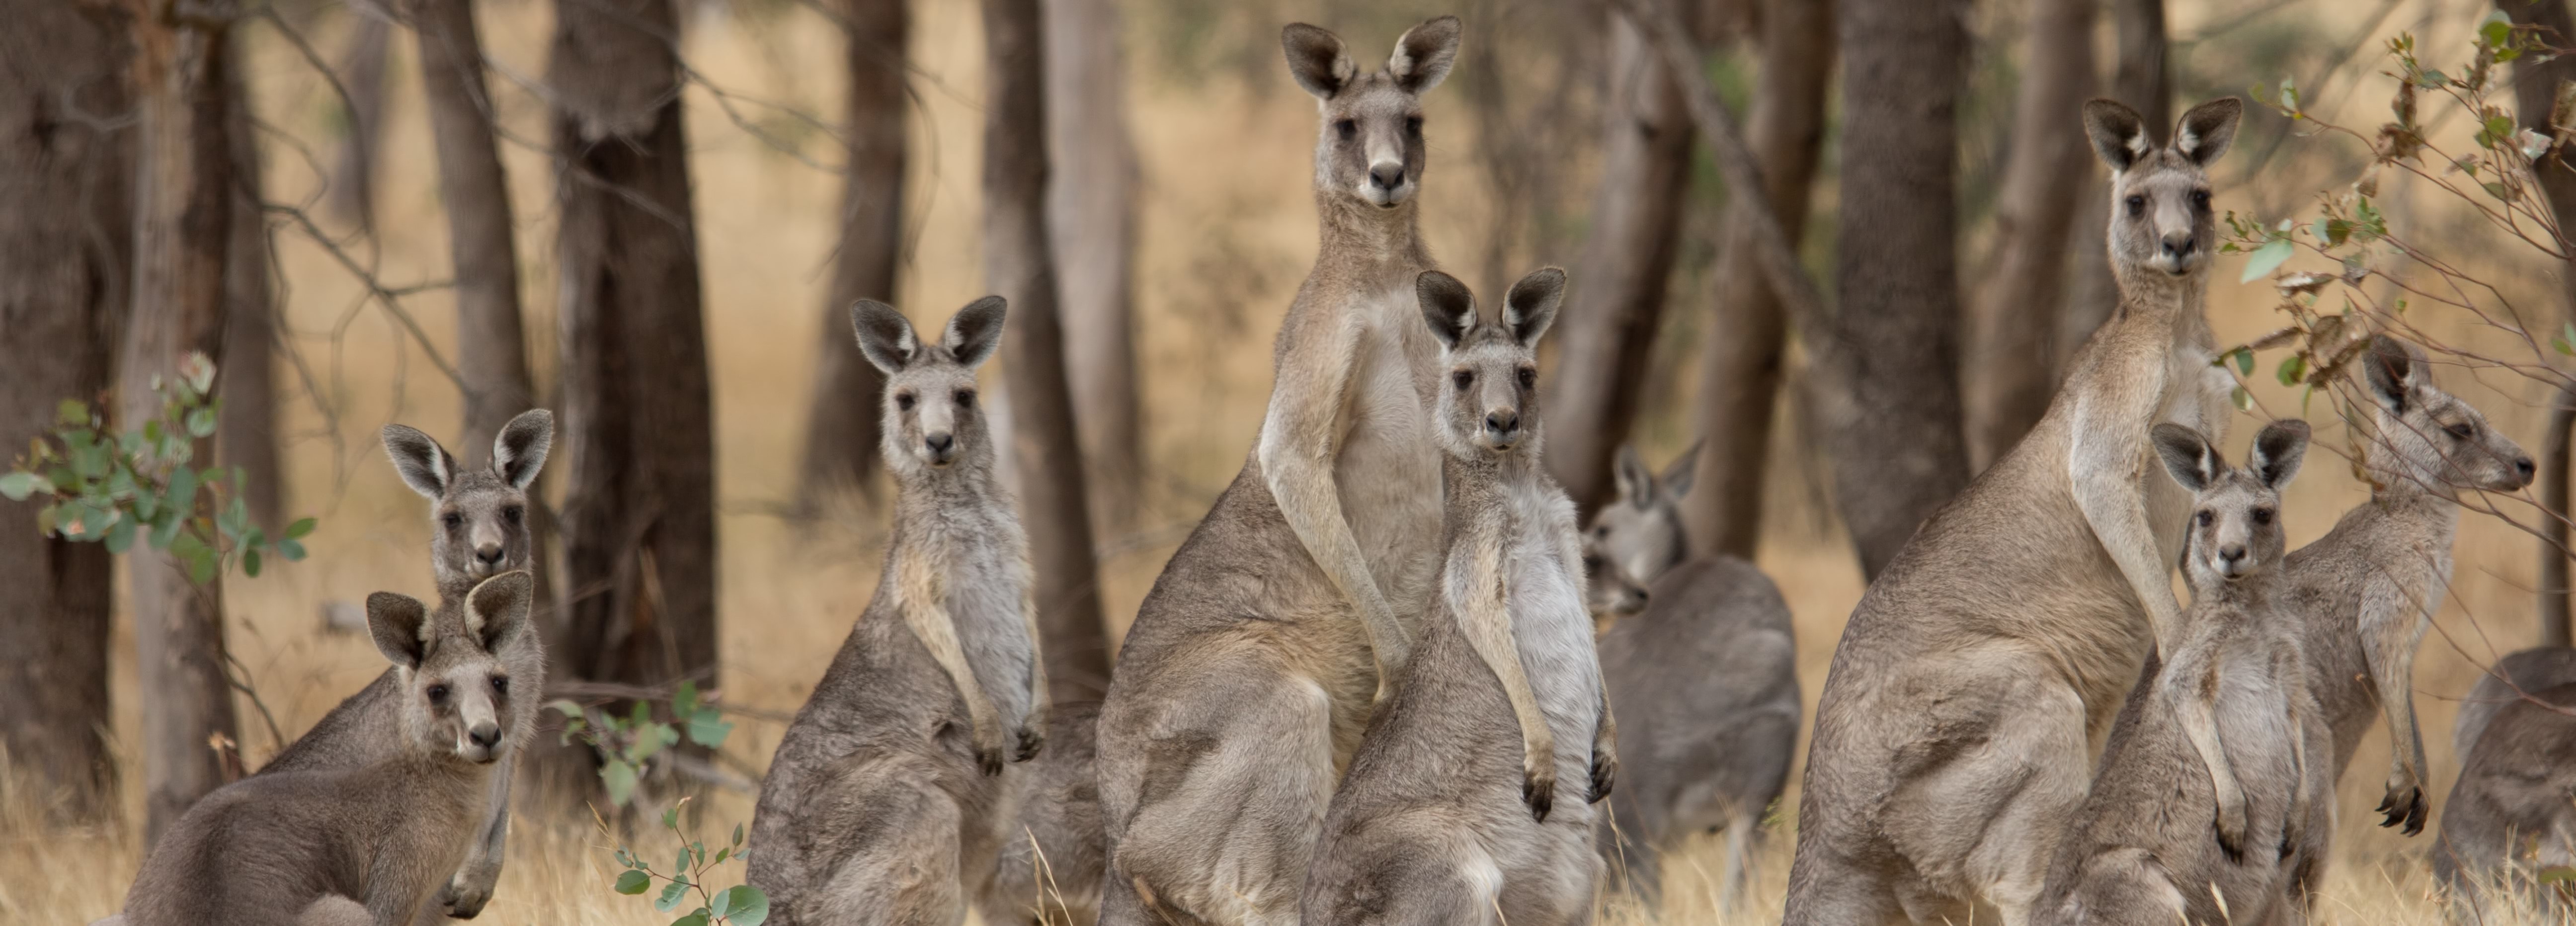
pixel 1228 233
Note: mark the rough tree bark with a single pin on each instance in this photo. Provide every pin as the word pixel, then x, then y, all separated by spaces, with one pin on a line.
pixel 66 240
pixel 2138 80
pixel 1741 357
pixel 362 73
pixel 638 524
pixel 183 203
pixel 2008 368
pixel 2535 86
pixel 1091 220
pixel 491 345
pixel 247 433
pixel 1019 265
pixel 841 425
pixel 1896 443
pixel 1625 267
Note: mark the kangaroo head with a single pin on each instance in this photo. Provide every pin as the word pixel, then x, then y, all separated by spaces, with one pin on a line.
pixel 2236 513
pixel 932 420
pixel 1370 147
pixel 1610 591
pixel 1641 527
pixel 1489 392
pixel 450 665
pixel 480 526
pixel 2160 217
pixel 2429 441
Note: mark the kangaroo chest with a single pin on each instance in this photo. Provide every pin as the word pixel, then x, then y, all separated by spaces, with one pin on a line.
pixel 2197 395
pixel 1387 470
pixel 1543 594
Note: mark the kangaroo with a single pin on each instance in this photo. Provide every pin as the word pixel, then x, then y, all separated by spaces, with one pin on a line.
pixel 2528 672
pixel 1609 592
pixel 1704 683
pixel 1248 676
pixel 888 797
pixel 368 843
pixel 2001 641
pixel 1436 822
pixel 2514 806
pixel 2180 827
pixel 1052 856
pixel 479 529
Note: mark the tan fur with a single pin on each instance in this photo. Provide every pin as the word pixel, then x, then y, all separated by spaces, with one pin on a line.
pixel 1981 670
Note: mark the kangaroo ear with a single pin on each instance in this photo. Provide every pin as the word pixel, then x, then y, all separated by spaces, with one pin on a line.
pixel 2204 133
pixel 1682 472
pixel 885 336
pixel 975 331
pixel 1447 306
pixel 519 451
pixel 424 465
pixel 2187 455
pixel 1531 305
pixel 2278 450
pixel 2394 369
pixel 400 626
pixel 1628 473
pixel 1318 61
pixel 2118 133
pixel 1424 53
pixel 496 611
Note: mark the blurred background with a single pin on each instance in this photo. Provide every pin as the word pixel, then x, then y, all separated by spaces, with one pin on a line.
pixel 690 193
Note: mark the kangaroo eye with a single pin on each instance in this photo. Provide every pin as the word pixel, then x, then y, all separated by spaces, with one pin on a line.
pixel 1413 126
pixel 1601 530
pixel 2137 206
pixel 1464 378
pixel 1591 563
pixel 965 398
pixel 1529 377
pixel 2460 431
pixel 500 684
pixel 2262 516
pixel 453 520
pixel 903 401
pixel 1347 128
pixel 2200 200
pixel 512 514
pixel 438 693
pixel 2206 516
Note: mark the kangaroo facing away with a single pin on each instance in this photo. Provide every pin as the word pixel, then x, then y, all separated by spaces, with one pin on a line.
pixel 887 799
pixel 1704 683
pixel 1248 676
pixel 2528 672
pixel 2207 786
pixel 478 529
pixel 369 844
pixel 2511 808
pixel 2001 641
pixel 1436 822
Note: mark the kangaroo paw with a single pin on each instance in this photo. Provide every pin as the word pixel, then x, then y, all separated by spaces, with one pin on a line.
pixel 2231 832
pixel 1538 790
pixel 1605 770
pixel 1032 739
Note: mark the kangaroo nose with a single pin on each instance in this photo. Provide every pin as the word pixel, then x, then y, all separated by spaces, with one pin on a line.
pixel 2180 244
pixel 489 553
pixel 486 735
pixel 2231 553
pixel 2523 466
pixel 1386 176
pixel 939 443
pixel 1502 423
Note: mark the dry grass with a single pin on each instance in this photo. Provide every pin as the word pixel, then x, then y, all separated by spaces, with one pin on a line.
pixel 1228 233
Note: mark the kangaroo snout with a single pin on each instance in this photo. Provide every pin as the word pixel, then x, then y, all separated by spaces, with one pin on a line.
pixel 485 738
pixel 942 446
pixel 489 554
pixel 1386 175
pixel 1502 426
pixel 2525 469
pixel 2178 248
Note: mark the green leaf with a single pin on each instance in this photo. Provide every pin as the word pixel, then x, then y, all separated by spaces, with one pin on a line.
pixel 2292 368
pixel 292 550
pixel 121 537
pixel 2244 401
pixel 565 707
pixel 182 494
pixel 301 527
pixel 201 565
pixel 671 894
pixel 708 728
pixel 18 485
pixel 631 881
pixel 671 821
pixel 628 860
pixel 250 562
pixel 619 778
pixel 698 918
pixel 201 423
pixel 2495 32
pixel 718 904
pixel 749 907
pixel 737 834
pixel 71 413
pixel 684 850
pixel 2566 339
pixel 2245 360
pixel 722 853
pixel 165 528
pixel 2265 259
pixel 685 701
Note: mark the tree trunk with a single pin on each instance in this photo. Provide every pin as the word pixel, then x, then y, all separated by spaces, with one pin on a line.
pixel 1624 269
pixel 2009 368
pixel 491 346
pixel 1091 220
pixel 1019 267
pixel 2535 86
pixel 362 73
pixel 842 417
pixel 1741 356
pixel 65 246
pixel 1895 439
pixel 639 517
pixel 247 434
pixel 2139 81
pixel 183 202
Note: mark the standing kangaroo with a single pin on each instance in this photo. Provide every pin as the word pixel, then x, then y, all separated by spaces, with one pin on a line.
pixel 1704 683
pixel 1245 682
pixel 2208 785
pixel 888 797
pixel 2001 641
pixel 2514 805
pixel 479 529
pixel 365 844
pixel 1437 822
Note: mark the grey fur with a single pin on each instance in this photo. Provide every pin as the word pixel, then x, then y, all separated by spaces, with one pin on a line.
pixel 2513 795
pixel 889 797
pixel 1053 856
pixel 2527 672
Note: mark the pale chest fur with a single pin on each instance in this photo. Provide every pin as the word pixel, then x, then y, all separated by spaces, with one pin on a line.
pixel 975 564
pixel 2197 395
pixel 1543 593
pixel 1387 470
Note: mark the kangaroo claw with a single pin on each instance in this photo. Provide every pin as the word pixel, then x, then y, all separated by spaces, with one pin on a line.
pixel 1605 769
pixel 2231 835
pixel 2404 807
pixel 1539 792
pixel 1031 740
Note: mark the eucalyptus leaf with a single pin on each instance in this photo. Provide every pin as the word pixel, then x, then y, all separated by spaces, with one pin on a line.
pixel 619 778
pixel 2265 259
pixel 631 881
pixel 671 894
pixel 18 485
pixel 749 907
pixel 301 527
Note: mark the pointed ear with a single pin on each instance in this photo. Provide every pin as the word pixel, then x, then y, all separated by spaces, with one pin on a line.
pixel 2278 450
pixel 1447 306
pixel 2204 133
pixel 1531 305
pixel 2187 455
pixel 496 611
pixel 1682 472
pixel 885 336
pixel 424 465
pixel 1628 473
pixel 2393 369
pixel 519 451
pixel 1423 55
pixel 2118 133
pixel 975 331
pixel 1318 61
pixel 400 625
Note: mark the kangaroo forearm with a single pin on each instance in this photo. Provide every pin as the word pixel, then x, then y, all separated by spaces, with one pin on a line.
pixel 1487 620
pixel 2118 516
pixel 2200 728
pixel 1041 698
pixel 2388 642
pixel 929 621
pixel 1310 502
